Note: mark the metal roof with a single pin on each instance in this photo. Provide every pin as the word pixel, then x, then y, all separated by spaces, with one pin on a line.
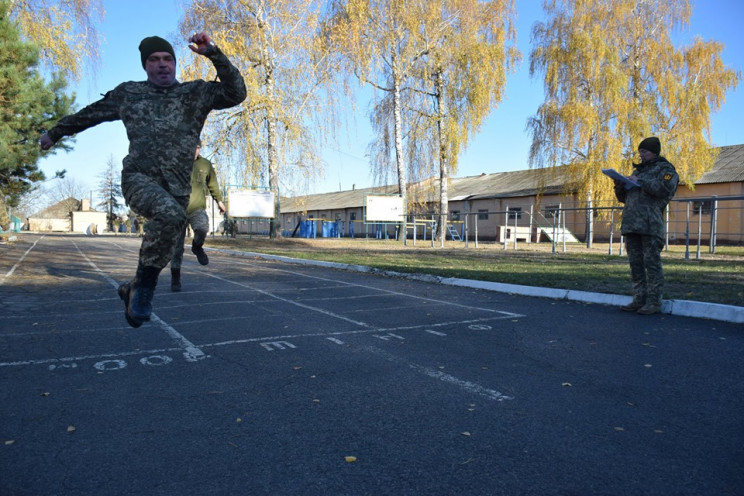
pixel 729 167
pixel 333 201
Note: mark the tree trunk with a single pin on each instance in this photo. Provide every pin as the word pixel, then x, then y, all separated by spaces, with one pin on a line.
pixel 271 138
pixel 399 148
pixel 443 159
pixel 589 219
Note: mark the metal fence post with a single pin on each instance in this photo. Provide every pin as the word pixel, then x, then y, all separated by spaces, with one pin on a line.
pixel 476 232
pixel 699 232
pixel 687 231
pixel 713 223
pixel 466 230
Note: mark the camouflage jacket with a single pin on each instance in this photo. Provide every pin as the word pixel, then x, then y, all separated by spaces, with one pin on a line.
pixel 203 180
pixel 644 205
pixel 163 124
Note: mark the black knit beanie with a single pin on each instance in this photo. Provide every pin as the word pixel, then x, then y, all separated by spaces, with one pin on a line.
pixel 153 44
pixel 651 144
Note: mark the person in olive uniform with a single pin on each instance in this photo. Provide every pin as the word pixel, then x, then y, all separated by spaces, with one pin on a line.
pixel 163 119
pixel 203 180
pixel 643 224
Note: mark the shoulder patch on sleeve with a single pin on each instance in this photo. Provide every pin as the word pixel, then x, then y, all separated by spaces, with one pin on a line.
pixel 668 176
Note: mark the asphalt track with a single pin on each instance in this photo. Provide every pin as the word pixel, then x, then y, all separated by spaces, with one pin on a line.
pixel 268 377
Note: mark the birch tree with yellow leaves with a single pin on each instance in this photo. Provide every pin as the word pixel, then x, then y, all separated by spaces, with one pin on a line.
pixel 441 68
pixel 379 43
pixel 65 32
pixel 274 135
pixel 472 47
pixel 613 76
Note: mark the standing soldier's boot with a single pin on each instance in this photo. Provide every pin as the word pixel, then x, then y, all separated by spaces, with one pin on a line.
pixel 137 295
pixel 638 302
pixel 639 290
pixel 175 279
pixel 655 287
pixel 197 247
pixel 652 306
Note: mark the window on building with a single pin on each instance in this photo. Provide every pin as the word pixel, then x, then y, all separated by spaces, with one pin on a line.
pixel 352 216
pixel 455 215
pixel 551 211
pixel 701 207
pixel 482 214
pixel 515 213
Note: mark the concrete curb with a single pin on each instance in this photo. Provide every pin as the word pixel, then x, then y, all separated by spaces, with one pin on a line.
pixel 682 308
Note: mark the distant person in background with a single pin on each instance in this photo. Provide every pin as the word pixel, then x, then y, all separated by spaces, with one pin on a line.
pixel 643 224
pixel 203 180
pixel 163 119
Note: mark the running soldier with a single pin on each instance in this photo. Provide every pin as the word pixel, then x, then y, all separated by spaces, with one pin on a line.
pixel 164 119
pixel 203 180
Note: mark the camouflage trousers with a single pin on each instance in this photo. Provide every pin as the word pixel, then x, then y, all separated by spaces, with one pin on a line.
pixel 165 214
pixel 199 222
pixel 646 273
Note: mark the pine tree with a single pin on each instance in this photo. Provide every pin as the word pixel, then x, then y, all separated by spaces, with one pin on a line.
pixel 27 105
pixel 109 190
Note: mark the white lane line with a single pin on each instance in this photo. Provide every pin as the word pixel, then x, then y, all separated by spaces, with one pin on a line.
pixel 338 333
pixel 436 333
pixel 10 272
pixel 80 358
pixel 331 336
pixel 191 352
pixel 468 386
pixel 292 302
pixel 396 293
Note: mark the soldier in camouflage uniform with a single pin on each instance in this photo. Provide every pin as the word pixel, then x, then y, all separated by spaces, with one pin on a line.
pixel 163 118
pixel 203 180
pixel 643 224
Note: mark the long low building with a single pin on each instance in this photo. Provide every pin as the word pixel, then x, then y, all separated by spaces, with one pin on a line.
pixel 529 204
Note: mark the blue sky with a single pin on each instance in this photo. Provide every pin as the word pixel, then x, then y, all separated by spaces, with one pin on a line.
pixel 501 145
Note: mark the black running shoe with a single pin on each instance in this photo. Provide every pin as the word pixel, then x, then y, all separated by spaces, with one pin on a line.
pixel 201 255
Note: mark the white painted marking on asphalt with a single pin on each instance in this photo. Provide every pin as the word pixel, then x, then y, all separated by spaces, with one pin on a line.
pixel 110 365
pixel 191 352
pixel 480 327
pixel 436 333
pixel 335 333
pixel 397 293
pixel 278 345
pixel 12 269
pixel 468 386
pixel 59 362
pixel 156 360
pixel 63 366
pixel 291 302
pixel 328 335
